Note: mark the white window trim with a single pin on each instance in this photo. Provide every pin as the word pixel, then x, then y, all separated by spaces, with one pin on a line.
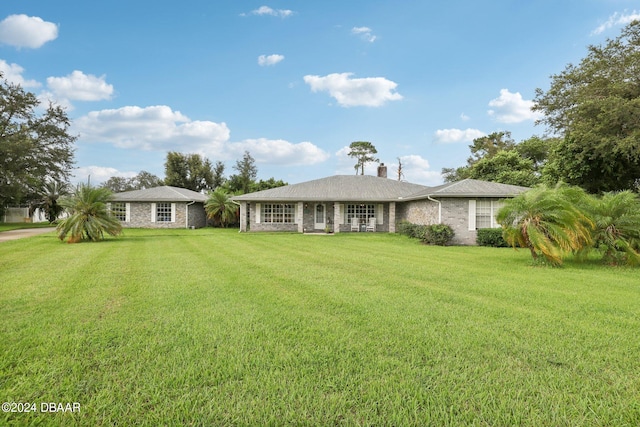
pixel 494 207
pixel 154 212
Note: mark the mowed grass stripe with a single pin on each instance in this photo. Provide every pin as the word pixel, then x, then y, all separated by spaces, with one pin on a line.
pixel 212 327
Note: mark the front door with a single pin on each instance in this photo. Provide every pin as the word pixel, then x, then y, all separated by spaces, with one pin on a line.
pixel 320 217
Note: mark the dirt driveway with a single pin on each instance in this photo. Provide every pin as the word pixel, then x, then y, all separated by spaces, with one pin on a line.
pixel 25 232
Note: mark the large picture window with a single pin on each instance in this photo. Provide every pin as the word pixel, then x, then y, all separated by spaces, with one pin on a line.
pixel 361 211
pixel 277 213
pixel 163 212
pixel 119 210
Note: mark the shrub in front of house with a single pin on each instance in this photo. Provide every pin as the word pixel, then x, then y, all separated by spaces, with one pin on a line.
pixel 415 231
pixel 491 237
pixel 438 234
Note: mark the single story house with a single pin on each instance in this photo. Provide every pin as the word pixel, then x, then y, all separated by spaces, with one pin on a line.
pixel 160 207
pixel 344 203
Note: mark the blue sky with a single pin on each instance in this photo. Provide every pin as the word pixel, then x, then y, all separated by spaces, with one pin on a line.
pixel 295 82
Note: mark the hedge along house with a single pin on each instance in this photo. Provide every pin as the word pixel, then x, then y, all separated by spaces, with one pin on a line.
pixel 333 203
pixel 160 207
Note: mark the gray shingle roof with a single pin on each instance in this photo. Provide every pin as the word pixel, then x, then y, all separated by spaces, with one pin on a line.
pixel 346 188
pixel 160 194
pixel 362 188
pixel 471 188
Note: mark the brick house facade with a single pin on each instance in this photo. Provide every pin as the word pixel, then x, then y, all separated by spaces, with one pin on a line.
pixel 160 207
pixel 334 203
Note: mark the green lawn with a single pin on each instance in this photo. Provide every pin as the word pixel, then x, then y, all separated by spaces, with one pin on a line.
pixel 212 327
pixel 6 226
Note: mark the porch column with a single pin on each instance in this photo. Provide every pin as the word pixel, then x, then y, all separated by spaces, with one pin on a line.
pixel 300 217
pixel 243 216
pixel 337 220
pixel 392 217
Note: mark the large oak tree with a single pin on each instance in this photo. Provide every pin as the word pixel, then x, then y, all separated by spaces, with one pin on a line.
pixel 595 107
pixel 35 145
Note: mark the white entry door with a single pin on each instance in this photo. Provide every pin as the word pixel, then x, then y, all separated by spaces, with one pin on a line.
pixel 320 217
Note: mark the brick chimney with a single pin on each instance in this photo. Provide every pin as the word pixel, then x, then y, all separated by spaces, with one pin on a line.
pixel 382 171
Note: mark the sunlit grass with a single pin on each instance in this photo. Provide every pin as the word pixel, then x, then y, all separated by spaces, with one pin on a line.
pixel 213 327
pixel 6 226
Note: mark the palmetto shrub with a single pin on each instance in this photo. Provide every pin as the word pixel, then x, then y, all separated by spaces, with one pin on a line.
pixel 616 231
pixel 547 221
pixel 221 208
pixel 89 217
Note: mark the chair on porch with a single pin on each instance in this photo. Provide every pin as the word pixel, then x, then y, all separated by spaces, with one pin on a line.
pixel 355 224
pixel 371 226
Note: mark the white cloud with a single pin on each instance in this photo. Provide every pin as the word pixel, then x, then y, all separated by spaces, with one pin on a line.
pixel 26 31
pixel 617 19
pixel 415 169
pixel 158 128
pixel 98 174
pixel 365 33
pixel 511 108
pixel 151 128
pixel 78 86
pixel 464 117
pixel 350 92
pixel 448 136
pixel 266 10
pixel 265 60
pixel 280 152
pixel 13 74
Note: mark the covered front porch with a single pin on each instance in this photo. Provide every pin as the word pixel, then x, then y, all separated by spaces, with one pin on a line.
pixel 318 216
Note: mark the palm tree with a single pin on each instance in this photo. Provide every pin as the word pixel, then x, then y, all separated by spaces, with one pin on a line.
pixel 546 221
pixel 89 217
pixel 616 233
pixel 51 192
pixel 220 207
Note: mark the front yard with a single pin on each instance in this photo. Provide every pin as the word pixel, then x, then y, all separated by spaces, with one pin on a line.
pixel 213 327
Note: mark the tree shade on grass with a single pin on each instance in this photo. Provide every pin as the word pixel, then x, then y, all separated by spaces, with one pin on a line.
pixel 89 218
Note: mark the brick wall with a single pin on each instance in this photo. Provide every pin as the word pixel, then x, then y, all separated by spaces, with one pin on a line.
pixel 455 213
pixel 424 212
pixel 197 215
pixel 140 216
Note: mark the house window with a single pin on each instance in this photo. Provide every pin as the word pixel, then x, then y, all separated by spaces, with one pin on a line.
pixel 486 211
pixel 362 211
pixel 119 210
pixel 163 212
pixel 278 213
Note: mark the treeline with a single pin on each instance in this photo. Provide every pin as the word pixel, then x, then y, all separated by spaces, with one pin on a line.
pixel 593 112
pixel 197 173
